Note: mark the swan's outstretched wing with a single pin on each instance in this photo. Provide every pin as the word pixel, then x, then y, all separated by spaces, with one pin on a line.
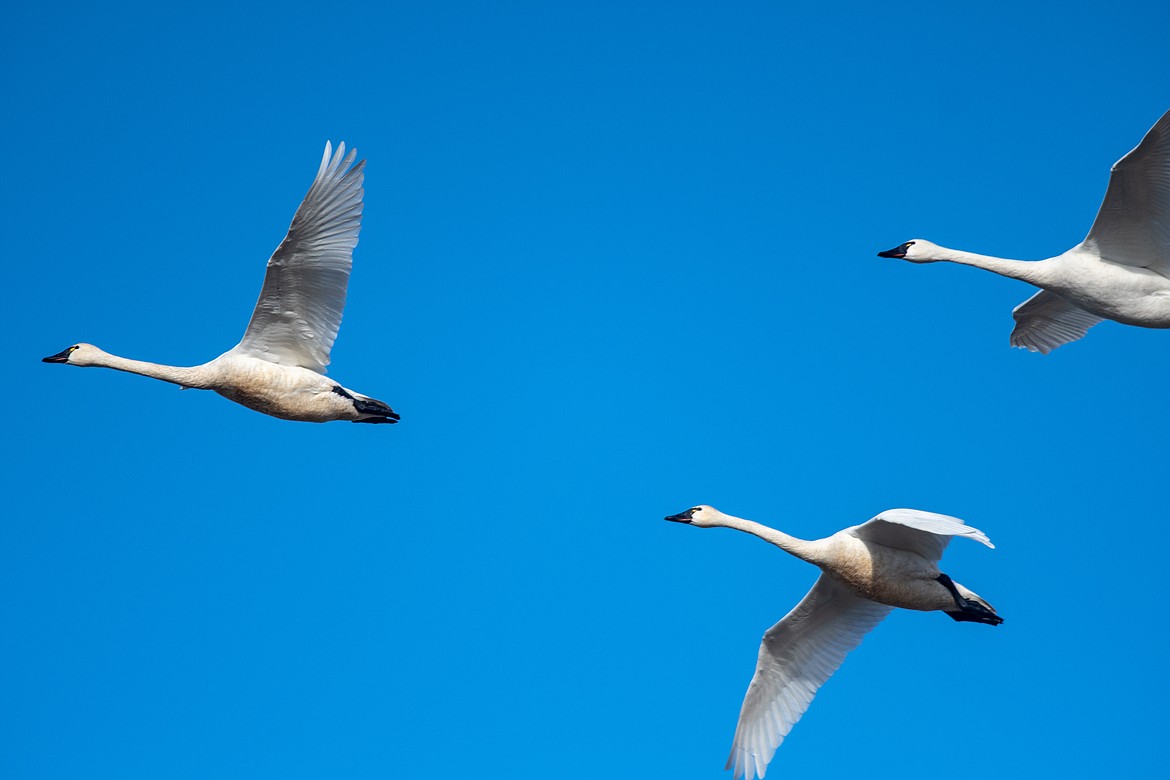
pixel 925 533
pixel 796 657
pixel 1045 321
pixel 1133 225
pixel 299 311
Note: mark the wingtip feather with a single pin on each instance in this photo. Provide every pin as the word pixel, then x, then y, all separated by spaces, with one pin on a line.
pixel 325 159
pixel 1021 342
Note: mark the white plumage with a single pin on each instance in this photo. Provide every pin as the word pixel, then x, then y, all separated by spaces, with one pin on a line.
pixel 278 368
pixel 867 570
pixel 1121 271
pixel 299 312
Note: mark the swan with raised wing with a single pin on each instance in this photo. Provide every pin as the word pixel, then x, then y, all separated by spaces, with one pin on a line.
pixel 279 366
pixel 866 571
pixel 1121 271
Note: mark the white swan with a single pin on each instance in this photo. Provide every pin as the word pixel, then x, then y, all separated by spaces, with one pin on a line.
pixel 278 368
pixel 1121 271
pixel 867 570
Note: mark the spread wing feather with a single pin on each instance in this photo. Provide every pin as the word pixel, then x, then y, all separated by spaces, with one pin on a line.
pixel 1045 321
pixel 797 656
pixel 296 319
pixel 1133 224
pixel 925 533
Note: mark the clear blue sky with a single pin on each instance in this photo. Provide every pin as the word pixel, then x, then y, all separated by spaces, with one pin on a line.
pixel 617 259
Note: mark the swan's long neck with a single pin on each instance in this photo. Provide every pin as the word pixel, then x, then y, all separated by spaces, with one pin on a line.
pixel 193 376
pixel 801 548
pixel 1035 272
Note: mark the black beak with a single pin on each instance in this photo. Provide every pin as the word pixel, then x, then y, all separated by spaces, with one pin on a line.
pixel 681 517
pixel 60 357
pixel 897 252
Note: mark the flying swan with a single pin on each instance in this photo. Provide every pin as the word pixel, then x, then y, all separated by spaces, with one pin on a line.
pixel 866 570
pixel 279 366
pixel 1121 271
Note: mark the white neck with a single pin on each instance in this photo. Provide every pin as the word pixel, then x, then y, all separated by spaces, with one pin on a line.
pixel 1036 272
pixel 805 550
pixel 194 376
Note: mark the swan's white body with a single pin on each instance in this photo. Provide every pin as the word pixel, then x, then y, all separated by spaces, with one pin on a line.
pixel 867 570
pixel 279 366
pixel 1121 271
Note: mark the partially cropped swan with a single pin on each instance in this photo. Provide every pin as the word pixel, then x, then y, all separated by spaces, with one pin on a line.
pixel 1121 271
pixel 279 366
pixel 867 570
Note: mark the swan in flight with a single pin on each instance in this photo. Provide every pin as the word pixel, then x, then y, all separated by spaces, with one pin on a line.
pixel 1121 271
pixel 279 366
pixel 867 570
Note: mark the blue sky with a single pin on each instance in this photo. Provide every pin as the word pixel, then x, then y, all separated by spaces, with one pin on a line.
pixel 616 259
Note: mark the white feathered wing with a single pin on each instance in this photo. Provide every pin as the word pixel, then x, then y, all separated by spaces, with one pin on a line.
pixel 1133 225
pixel 299 312
pixel 797 656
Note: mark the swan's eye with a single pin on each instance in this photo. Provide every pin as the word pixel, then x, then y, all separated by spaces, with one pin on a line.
pixel 907 245
pixel 696 509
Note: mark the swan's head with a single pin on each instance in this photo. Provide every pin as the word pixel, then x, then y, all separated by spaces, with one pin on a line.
pixel 702 515
pixel 77 355
pixel 916 251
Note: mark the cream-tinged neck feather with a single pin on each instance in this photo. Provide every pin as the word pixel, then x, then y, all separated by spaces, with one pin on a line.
pixel 201 377
pixel 1035 272
pixel 810 551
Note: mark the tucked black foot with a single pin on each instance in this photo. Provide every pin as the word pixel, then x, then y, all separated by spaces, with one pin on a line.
pixel 968 611
pixel 378 420
pixel 369 406
pixel 973 612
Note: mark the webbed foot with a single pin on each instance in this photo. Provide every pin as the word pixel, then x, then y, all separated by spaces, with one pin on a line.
pixel 968 611
pixel 973 612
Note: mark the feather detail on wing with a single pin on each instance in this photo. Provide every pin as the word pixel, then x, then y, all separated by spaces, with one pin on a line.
pixel 924 533
pixel 797 656
pixel 1045 321
pixel 299 312
pixel 1133 224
